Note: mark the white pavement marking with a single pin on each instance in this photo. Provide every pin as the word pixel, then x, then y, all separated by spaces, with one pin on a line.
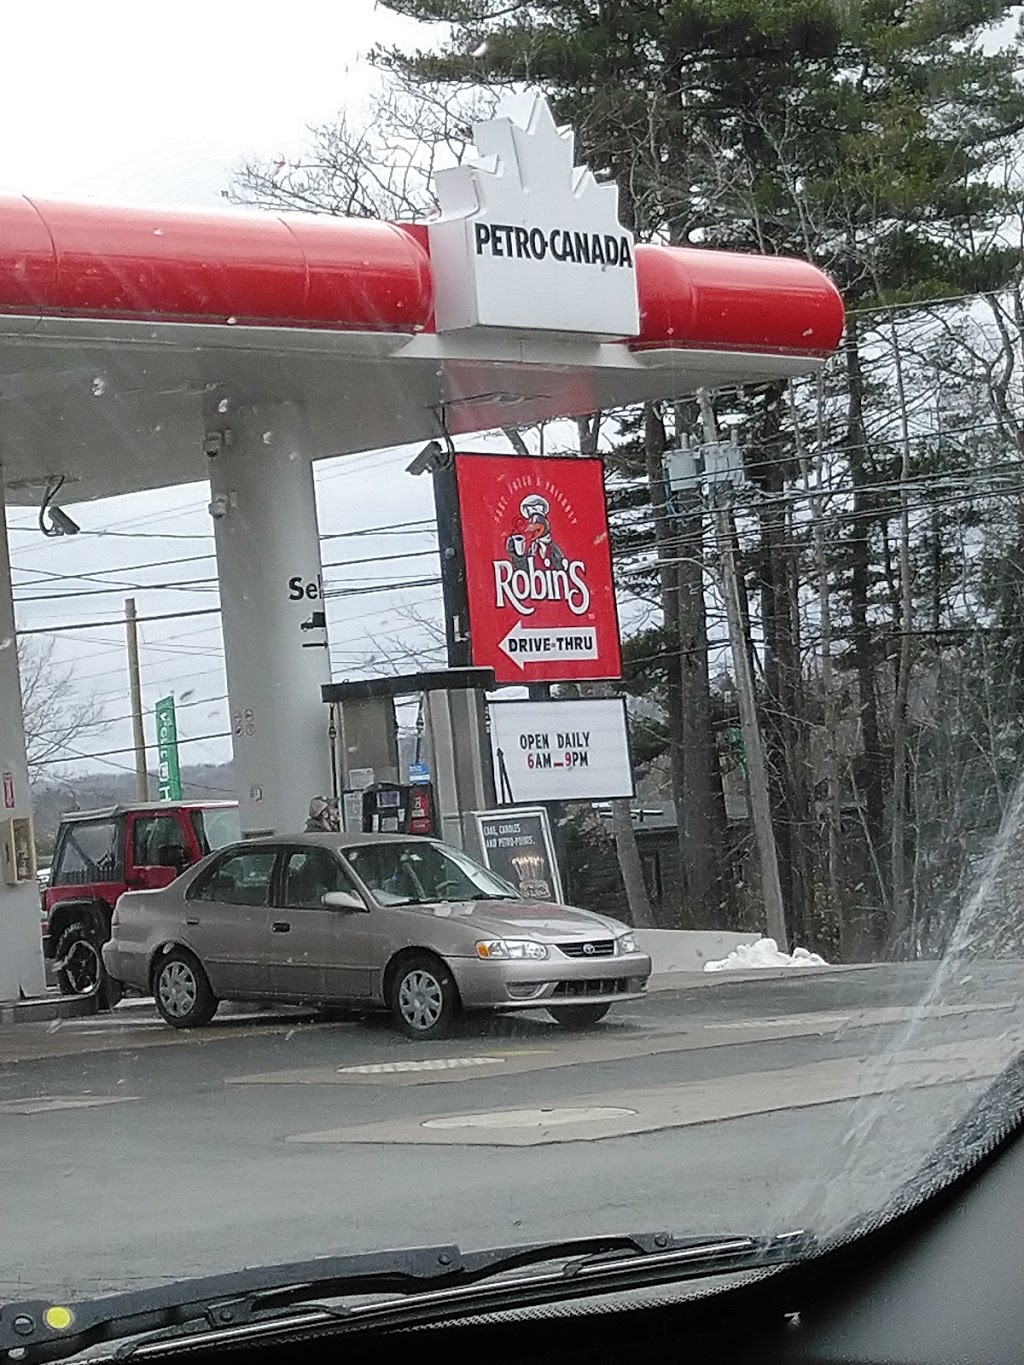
pixel 614 1045
pixel 430 1064
pixel 816 1021
pixel 880 1017
pixel 44 1104
pixel 652 1109
pixel 530 1118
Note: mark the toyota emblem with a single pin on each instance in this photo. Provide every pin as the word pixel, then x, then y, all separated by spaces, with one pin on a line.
pixel 589 949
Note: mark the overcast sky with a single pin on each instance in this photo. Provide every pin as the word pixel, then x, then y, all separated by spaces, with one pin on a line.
pixel 128 102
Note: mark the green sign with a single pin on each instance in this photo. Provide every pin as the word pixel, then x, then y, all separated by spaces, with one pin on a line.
pixel 169 774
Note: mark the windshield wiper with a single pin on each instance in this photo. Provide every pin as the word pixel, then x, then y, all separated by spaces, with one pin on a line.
pixel 426 1283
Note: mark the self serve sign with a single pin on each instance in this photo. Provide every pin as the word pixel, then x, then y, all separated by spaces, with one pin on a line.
pixel 573 750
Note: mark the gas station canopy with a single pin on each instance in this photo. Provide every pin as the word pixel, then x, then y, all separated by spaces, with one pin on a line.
pixel 123 328
pixel 147 347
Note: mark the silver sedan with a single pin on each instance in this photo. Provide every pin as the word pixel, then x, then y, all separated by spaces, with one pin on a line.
pixel 376 921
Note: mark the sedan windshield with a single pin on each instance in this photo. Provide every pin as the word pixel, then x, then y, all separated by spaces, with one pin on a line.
pixel 420 872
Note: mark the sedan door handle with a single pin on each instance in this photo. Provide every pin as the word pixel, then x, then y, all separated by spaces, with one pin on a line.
pixel 280 926
pixel 192 922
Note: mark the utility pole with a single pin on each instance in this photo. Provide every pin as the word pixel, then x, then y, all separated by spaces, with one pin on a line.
pixel 753 744
pixel 135 684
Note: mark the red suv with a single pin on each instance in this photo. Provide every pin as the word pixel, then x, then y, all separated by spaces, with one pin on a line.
pixel 101 853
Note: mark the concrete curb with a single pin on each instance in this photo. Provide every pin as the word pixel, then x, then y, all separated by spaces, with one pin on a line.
pixel 683 981
pixel 45 1009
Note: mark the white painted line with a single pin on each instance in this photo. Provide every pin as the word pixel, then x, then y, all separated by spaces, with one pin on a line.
pixel 431 1064
pixel 813 1021
pixel 50 1104
pixel 530 1118
pixel 650 1109
pixel 881 1016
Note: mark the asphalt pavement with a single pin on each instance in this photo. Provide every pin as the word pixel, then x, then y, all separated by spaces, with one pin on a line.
pixel 132 1153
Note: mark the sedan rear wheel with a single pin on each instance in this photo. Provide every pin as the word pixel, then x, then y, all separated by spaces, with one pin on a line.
pixel 424 998
pixel 182 991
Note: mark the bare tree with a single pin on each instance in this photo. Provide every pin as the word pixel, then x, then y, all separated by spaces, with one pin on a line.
pixel 380 167
pixel 56 713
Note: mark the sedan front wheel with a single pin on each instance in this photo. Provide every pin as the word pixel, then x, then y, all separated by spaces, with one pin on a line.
pixel 424 998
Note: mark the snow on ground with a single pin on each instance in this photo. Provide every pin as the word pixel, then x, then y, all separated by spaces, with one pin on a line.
pixel 764 953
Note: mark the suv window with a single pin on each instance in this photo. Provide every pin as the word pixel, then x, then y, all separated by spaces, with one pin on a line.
pixel 88 853
pixel 309 874
pixel 238 879
pixel 157 841
pixel 216 827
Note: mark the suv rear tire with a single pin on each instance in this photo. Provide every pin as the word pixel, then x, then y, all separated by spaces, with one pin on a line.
pixel 78 948
pixel 182 990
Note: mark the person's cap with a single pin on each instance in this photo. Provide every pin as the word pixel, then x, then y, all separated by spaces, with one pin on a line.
pixel 318 806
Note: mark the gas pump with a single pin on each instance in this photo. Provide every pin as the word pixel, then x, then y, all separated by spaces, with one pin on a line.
pixel 365 760
pixel 393 808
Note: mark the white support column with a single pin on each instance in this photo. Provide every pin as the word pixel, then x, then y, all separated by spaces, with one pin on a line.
pixel 271 591
pixel 21 952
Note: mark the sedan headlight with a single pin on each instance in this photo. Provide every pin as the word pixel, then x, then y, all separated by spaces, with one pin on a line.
pixel 628 944
pixel 511 949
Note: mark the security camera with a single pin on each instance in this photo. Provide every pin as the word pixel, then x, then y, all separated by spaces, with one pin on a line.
pixel 427 459
pixel 62 524
pixel 213 444
pixel 219 506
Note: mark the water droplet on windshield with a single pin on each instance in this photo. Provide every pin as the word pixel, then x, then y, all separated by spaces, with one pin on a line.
pixel 223 405
pixel 268 436
pixel 99 386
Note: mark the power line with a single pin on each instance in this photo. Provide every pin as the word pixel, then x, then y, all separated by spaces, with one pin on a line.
pixel 89 625
pixel 107 753
pixel 201 585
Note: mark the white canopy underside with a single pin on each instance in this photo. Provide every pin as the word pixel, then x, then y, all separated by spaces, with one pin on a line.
pixel 119 407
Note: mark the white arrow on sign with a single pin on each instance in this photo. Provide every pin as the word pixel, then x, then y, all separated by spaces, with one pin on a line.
pixel 525 645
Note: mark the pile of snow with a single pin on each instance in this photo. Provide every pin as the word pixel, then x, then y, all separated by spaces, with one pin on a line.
pixel 764 953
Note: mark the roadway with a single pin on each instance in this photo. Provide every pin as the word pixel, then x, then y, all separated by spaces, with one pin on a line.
pixel 132 1153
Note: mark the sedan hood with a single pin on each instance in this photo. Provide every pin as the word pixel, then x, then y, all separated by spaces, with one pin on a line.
pixel 528 919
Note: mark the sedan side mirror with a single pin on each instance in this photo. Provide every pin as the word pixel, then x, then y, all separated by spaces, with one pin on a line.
pixel 342 900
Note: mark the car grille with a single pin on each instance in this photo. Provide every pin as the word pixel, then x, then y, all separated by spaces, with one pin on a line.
pixel 604 985
pixel 596 947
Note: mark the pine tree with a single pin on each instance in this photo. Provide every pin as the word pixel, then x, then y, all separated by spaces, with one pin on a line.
pixel 872 138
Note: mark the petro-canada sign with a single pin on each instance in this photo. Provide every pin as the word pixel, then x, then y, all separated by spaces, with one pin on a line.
pixel 538 568
pixel 529 242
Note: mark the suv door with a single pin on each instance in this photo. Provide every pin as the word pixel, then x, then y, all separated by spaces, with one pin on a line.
pixel 88 863
pixel 320 952
pixel 227 921
pixel 160 846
